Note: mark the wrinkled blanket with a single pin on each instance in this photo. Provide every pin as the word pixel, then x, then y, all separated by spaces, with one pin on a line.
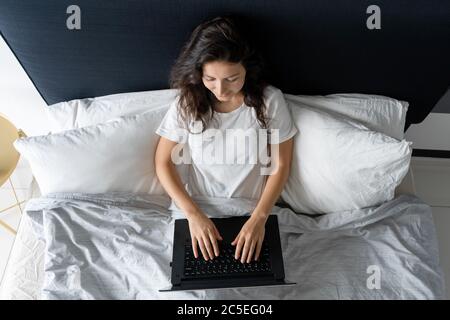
pixel 119 246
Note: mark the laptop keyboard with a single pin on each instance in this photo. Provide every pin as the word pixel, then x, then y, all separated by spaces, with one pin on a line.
pixel 225 264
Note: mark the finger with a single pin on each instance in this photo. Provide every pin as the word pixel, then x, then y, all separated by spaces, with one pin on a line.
pixel 258 249
pixel 218 236
pixel 251 251
pixel 209 248
pixel 245 251
pixel 203 249
pixel 194 247
pixel 239 246
pixel 235 240
pixel 214 243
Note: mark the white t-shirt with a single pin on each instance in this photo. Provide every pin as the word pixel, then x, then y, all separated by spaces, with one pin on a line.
pixel 230 173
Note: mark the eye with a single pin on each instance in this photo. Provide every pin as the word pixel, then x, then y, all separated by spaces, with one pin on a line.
pixel 232 80
pixel 209 79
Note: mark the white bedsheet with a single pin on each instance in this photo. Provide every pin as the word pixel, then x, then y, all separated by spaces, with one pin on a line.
pixel 22 279
pixel 327 256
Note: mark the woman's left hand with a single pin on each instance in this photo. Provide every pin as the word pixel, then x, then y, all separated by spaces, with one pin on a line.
pixel 249 240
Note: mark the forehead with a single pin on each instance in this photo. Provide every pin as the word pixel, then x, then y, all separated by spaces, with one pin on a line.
pixel 221 69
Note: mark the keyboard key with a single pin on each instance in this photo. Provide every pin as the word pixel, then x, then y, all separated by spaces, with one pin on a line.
pixel 225 264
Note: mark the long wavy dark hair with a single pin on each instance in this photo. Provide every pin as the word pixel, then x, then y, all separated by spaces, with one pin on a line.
pixel 218 39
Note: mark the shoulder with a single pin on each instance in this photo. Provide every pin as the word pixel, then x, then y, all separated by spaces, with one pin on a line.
pixel 274 101
pixel 173 115
pixel 175 107
pixel 175 102
pixel 272 93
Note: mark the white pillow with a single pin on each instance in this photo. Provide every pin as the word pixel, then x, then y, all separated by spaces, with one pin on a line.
pixel 80 113
pixel 113 156
pixel 339 164
pixel 378 113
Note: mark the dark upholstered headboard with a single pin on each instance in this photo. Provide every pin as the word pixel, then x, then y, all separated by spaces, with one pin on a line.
pixel 310 46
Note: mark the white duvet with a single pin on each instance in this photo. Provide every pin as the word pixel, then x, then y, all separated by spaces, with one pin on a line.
pixel 118 246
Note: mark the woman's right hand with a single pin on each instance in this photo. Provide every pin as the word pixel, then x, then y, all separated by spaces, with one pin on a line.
pixel 204 235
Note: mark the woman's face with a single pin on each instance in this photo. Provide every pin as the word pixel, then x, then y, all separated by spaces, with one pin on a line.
pixel 224 79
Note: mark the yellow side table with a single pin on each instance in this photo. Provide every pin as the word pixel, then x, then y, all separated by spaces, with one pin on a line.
pixel 9 157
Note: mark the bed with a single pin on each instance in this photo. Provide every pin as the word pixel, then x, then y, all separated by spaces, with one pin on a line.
pixel 387 251
pixel 338 253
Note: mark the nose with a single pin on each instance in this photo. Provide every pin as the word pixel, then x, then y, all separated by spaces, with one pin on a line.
pixel 220 89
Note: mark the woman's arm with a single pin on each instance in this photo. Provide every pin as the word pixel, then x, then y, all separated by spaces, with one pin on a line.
pixel 203 231
pixel 275 183
pixel 170 179
pixel 251 236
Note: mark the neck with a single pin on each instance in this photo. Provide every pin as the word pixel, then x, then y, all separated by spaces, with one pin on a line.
pixel 228 106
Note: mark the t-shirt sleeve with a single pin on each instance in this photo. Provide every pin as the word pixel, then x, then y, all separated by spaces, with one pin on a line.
pixel 171 126
pixel 280 116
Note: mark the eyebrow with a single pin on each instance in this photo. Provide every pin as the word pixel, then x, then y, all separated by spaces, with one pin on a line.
pixel 225 77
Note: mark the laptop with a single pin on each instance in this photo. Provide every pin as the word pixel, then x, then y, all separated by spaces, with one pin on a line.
pixel 224 271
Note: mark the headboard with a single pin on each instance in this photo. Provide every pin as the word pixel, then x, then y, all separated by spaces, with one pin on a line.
pixel 310 46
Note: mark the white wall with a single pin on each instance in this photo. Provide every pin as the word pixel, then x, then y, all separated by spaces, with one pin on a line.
pixel 432 133
pixel 20 102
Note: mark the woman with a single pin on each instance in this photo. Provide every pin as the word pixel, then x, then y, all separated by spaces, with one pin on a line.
pixel 219 77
